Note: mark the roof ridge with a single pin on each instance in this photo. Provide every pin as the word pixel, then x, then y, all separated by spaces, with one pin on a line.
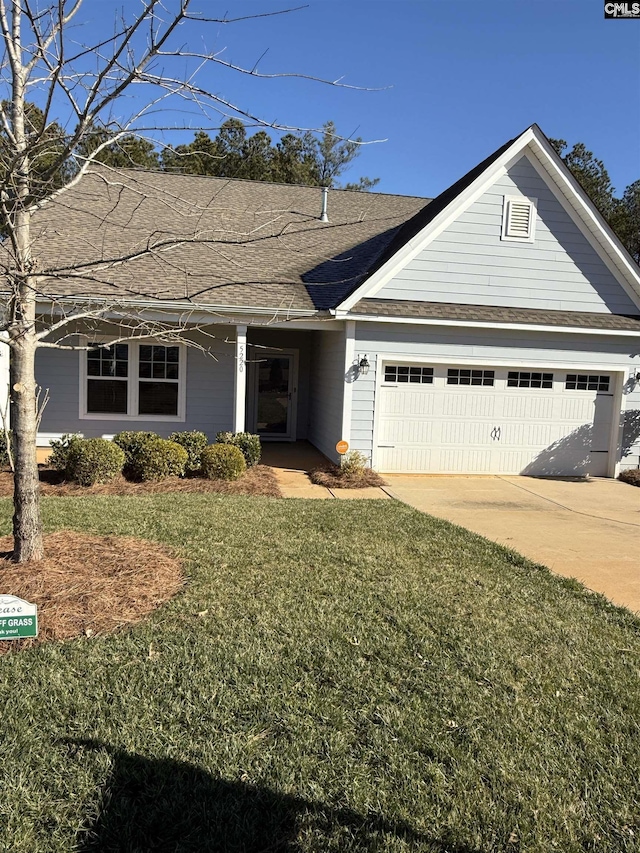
pixel 142 170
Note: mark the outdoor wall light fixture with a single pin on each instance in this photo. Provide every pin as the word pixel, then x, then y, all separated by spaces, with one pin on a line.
pixel 363 365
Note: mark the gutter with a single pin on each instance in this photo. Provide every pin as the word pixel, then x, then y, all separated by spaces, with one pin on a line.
pixel 480 324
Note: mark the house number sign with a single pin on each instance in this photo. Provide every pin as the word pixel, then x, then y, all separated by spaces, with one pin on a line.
pixel 18 618
pixel 241 355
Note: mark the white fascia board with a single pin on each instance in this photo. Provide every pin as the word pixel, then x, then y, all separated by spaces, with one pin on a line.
pixel 483 324
pixel 442 221
pixel 585 215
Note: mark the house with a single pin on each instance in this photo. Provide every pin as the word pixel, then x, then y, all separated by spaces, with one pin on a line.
pixel 493 329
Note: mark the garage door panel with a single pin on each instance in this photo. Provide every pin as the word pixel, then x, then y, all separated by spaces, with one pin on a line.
pixel 394 460
pixel 469 404
pixel 405 401
pixel 464 461
pixel 577 408
pixel 466 433
pixel 500 428
pixel 531 435
pixel 528 406
pixel 400 430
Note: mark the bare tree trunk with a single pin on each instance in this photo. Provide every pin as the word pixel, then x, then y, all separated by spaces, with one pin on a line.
pixel 27 524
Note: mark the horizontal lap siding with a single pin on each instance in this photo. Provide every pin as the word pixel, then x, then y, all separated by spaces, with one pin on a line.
pixel 386 341
pixel 326 392
pixel 631 432
pixel 209 399
pixel 469 263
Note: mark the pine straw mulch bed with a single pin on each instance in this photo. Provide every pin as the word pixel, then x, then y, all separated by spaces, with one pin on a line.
pixel 333 477
pixel 88 585
pixel 258 481
pixel 632 477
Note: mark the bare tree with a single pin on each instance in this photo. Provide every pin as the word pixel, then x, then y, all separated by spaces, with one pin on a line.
pixel 81 88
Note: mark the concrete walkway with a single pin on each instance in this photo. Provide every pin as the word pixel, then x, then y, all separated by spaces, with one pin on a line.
pixel 586 529
pixel 292 461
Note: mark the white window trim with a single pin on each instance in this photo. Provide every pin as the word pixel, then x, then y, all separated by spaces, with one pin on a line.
pixel 133 381
pixel 533 207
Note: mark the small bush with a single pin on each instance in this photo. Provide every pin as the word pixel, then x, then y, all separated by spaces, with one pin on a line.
pixel 194 443
pixel 223 462
pixel 157 459
pixel 353 463
pixel 248 443
pixel 632 476
pixel 62 450
pixel 131 441
pixel 93 460
pixel 4 451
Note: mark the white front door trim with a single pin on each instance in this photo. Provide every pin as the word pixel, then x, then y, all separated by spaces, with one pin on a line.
pixel 294 355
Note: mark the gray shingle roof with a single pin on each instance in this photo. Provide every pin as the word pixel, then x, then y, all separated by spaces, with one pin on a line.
pixel 493 314
pixel 212 241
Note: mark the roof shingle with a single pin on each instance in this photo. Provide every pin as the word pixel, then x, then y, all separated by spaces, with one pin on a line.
pixel 213 242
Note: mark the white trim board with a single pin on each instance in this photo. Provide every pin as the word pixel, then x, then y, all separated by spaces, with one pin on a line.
pixel 132 380
pixel 484 324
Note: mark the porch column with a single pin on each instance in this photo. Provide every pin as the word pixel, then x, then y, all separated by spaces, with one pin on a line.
pixel 349 356
pixel 240 379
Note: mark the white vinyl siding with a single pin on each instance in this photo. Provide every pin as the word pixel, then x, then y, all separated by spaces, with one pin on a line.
pixel 327 381
pixel 470 263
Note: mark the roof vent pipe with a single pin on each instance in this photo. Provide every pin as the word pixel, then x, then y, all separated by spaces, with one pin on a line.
pixel 325 195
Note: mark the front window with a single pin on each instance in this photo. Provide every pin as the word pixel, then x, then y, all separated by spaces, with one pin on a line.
pixel 158 380
pixel 107 379
pixel 134 380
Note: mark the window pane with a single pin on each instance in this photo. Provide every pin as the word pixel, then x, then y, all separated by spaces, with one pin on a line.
pixel 173 354
pixel 172 371
pixel 145 369
pixel 145 352
pixel 158 398
pixel 106 395
pixel 158 370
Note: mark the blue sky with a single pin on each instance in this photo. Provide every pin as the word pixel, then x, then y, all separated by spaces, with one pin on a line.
pixel 463 76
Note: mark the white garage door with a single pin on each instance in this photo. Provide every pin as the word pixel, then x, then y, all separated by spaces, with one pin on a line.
pixel 450 419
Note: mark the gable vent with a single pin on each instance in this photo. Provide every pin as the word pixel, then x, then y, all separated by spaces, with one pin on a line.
pixel 518 219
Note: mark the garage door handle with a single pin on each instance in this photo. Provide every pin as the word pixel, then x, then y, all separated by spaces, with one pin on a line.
pixel 495 433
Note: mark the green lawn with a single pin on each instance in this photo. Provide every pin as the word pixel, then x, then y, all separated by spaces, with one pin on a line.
pixel 337 676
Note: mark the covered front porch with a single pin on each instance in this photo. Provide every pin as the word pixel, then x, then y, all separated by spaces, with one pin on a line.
pixel 289 385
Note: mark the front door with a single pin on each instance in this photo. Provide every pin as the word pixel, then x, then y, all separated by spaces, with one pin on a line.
pixel 274 393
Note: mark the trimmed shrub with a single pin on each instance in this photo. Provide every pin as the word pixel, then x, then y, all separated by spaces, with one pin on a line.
pixel 248 443
pixel 194 443
pixel 632 476
pixel 223 462
pixel 156 459
pixel 4 451
pixel 132 440
pixel 353 463
pixel 62 450
pixel 93 460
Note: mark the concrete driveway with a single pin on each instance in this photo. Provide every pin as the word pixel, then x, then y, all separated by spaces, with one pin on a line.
pixel 586 529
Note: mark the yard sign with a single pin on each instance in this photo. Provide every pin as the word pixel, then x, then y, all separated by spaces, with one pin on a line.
pixel 18 618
